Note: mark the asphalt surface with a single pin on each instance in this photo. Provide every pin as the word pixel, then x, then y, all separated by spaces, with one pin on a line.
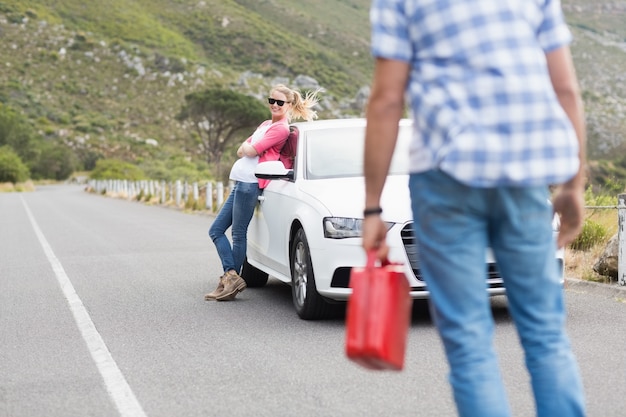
pixel 102 314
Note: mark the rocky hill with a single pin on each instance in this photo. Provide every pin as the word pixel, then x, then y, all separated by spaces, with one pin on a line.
pixel 107 78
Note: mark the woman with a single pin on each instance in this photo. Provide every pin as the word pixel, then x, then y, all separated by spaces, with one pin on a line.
pixel 264 145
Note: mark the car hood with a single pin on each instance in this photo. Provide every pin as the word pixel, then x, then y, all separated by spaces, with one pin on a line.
pixel 344 197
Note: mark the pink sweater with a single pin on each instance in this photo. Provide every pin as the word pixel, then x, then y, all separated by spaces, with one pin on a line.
pixel 272 142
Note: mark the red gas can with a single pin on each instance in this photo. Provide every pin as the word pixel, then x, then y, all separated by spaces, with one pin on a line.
pixel 378 316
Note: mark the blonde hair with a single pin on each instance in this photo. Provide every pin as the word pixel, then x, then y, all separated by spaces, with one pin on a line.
pixel 301 107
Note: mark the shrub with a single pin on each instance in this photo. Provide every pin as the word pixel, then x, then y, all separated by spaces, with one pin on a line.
pixel 194 204
pixel 593 233
pixel 599 198
pixel 113 169
pixel 16 132
pixel 55 161
pixel 143 196
pixel 12 169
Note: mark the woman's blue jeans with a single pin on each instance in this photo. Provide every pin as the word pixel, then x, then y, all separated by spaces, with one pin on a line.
pixel 237 212
pixel 454 225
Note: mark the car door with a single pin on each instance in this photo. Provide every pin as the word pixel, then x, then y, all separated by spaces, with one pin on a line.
pixel 268 234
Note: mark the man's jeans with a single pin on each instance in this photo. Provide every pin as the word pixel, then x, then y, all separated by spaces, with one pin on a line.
pixel 237 212
pixel 454 224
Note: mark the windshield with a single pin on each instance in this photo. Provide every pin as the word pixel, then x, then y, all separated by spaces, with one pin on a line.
pixel 338 152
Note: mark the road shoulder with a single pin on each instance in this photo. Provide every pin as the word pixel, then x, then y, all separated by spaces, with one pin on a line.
pixel 612 290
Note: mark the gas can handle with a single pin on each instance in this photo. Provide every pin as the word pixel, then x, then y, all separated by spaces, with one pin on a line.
pixel 372 259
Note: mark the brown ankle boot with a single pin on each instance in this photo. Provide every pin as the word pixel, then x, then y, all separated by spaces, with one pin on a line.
pixel 220 288
pixel 233 284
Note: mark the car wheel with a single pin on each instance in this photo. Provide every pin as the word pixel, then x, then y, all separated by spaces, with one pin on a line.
pixel 254 277
pixel 307 301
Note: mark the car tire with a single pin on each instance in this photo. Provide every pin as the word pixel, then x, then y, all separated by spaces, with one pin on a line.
pixel 309 304
pixel 254 277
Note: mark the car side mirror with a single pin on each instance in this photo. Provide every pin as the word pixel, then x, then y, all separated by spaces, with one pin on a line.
pixel 273 170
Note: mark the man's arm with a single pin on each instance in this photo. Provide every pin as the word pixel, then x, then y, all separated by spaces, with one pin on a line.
pixel 384 110
pixel 569 199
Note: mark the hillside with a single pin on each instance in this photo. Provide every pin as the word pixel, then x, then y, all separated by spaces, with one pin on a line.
pixel 600 58
pixel 105 76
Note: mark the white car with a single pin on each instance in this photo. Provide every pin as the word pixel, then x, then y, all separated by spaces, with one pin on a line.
pixel 306 230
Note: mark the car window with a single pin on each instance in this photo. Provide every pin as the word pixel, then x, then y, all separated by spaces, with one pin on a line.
pixel 338 152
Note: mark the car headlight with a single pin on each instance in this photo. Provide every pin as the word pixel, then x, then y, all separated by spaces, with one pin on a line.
pixel 344 227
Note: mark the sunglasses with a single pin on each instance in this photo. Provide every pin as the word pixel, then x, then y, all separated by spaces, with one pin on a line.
pixel 279 102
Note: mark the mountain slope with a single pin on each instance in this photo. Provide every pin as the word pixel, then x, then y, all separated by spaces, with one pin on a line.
pixel 277 38
pixel 105 76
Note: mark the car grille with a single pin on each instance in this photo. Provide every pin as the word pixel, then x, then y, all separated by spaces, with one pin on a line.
pixel 410 246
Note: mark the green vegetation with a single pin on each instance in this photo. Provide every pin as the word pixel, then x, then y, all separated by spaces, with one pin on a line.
pixel 12 169
pixel 593 234
pixel 600 225
pixel 216 116
pixel 116 170
pixel 175 168
pixel 54 161
pixel 280 38
pixel 86 81
pixel 600 221
pixel 107 80
pixel 16 132
pixel 42 159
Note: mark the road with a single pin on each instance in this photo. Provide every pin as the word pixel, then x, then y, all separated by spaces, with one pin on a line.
pixel 102 314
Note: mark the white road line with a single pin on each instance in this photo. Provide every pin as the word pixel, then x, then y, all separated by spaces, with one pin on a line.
pixel 116 385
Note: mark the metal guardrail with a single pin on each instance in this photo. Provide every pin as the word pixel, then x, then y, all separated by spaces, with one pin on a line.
pixel 601 207
pixel 177 193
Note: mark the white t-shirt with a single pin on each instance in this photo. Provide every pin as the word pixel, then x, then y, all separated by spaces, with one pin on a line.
pixel 243 168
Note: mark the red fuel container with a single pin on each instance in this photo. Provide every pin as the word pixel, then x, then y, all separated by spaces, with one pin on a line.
pixel 378 316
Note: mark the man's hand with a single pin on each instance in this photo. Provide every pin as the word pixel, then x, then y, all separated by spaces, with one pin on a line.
pixel 569 203
pixel 374 234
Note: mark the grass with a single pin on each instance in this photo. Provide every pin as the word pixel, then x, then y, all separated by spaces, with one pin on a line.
pixel 579 264
pixel 9 187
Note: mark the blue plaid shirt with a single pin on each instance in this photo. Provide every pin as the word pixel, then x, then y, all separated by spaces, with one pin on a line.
pixel 484 108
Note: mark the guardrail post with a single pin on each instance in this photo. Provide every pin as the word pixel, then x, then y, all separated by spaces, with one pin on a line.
pixel 220 194
pixel 209 196
pixel 185 192
pixel 179 192
pixel 621 235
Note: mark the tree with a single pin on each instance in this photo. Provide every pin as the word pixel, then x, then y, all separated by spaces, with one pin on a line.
pixel 218 116
pixel 44 159
pixel 113 169
pixel 12 169
pixel 55 161
pixel 17 133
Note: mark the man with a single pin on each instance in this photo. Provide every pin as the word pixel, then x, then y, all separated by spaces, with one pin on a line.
pixel 498 119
